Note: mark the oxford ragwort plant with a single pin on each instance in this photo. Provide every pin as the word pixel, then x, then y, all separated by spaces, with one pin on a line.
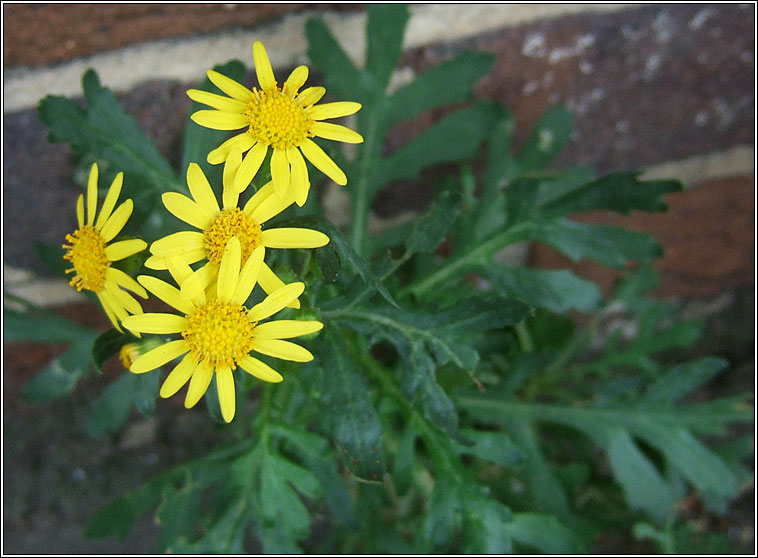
pixel 452 404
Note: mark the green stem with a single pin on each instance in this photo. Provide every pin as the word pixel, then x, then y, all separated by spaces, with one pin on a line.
pixel 362 197
pixel 457 264
pixel 524 337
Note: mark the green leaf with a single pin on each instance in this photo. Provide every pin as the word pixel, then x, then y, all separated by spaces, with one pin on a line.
pixel 681 380
pixel 106 132
pixel 146 392
pixel 111 409
pixel 62 374
pixel 484 527
pixel 198 140
pixel 496 447
pixel 343 79
pixel 341 247
pixel 620 192
pixel 430 229
pixel 456 137
pixel 178 513
pixel 52 256
pixel 557 291
pixel 108 344
pixel 611 246
pixel 543 533
pixel 281 509
pixel 384 34
pixel 520 200
pixel 643 484
pixel 354 423
pixel 449 82
pixel 551 133
pixel 118 517
pixel 441 521
pixel 40 325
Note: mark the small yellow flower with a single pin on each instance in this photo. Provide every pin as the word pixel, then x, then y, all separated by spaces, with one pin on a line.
pixel 91 255
pixel 278 118
pixel 218 225
pixel 218 332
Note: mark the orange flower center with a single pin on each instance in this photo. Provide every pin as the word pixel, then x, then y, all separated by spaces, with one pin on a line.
pixel 87 253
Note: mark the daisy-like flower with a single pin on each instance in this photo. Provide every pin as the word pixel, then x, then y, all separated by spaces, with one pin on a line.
pixel 91 255
pixel 218 225
pixel 280 118
pixel 219 332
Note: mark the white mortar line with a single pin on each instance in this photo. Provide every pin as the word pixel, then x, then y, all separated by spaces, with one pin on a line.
pixel 737 161
pixel 186 60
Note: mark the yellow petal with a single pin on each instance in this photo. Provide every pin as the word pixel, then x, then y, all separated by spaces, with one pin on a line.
pixel 196 283
pixel 270 283
pixel 123 249
pixel 156 262
pixel 159 356
pixel 180 271
pixel 124 280
pixel 248 276
pixel 296 80
pixel 282 349
pixel 322 161
pixel 178 244
pixel 200 381
pixel 263 66
pixel 249 167
pixel 228 271
pixel 168 294
pixel 260 370
pixel 114 305
pixel 218 120
pixel 243 141
pixel 110 201
pixel 201 190
pixel 310 96
pixel 187 210
pixel 92 194
pixel 80 210
pixel 156 323
pixel 299 177
pixel 179 376
pixel 126 300
pixel 333 110
pixel 276 301
pixel 335 132
pixel 232 165
pixel 286 329
pixel 268 205
pixel 280 172
pixel 108 312
pixel 225 388
pixel 293 238
pixel 217 101
pixel 117 220
pixel 230 87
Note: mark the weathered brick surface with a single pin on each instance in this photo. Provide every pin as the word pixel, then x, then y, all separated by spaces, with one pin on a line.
pixel 647 85
pixel 708 236
pixel 44 34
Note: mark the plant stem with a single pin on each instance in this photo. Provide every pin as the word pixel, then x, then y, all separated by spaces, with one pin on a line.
pixel 362 196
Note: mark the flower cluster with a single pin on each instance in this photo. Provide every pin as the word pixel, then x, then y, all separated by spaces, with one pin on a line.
pixel 215 330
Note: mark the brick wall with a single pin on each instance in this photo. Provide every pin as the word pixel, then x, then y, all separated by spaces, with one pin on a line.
pixel 649 85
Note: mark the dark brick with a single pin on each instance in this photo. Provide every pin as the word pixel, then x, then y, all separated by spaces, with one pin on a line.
pixel 45 34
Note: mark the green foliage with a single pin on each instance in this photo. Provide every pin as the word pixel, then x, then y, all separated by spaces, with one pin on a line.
pixel 455 404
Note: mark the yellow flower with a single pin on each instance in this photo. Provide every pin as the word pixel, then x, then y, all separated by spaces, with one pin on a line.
pixel 91 255
pixel 218 225
pixel 279 118
pixel 218 332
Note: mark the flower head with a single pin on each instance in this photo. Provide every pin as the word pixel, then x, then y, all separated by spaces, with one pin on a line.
pixel 219 332
pixel 218 225
pixel 91 255
pixel 280 118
